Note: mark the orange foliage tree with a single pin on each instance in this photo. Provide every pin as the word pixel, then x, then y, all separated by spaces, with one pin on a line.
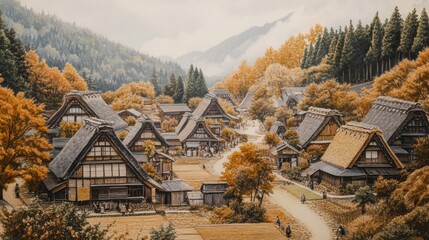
pixel 22 153
pixel 73 77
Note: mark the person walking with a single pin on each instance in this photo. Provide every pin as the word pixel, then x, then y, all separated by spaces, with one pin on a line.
pixel 341 232
pixel 17 190
pixel 288 231
pixel 303 198
pixel 278 221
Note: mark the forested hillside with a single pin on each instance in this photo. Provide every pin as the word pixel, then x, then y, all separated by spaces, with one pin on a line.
pixel 99 60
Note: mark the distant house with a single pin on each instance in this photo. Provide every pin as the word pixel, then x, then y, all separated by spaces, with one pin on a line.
pixel 318 127
pixel 174 193
pixel 195 198
pixel 401 122
pixel 299 117
pixel 279 128
pixel 174 110
pixel 213 193
pixel 357 155
pixel 162 162
pixel 196 137
pixel 124 114
pixel 144 130
pixel 210 108
pixel 245 104
pixel 95 166
pixel 292 96
pixel 225 95
pixel 286 154
pixel 80 105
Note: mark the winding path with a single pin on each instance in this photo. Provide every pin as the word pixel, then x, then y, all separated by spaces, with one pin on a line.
pixel 317 226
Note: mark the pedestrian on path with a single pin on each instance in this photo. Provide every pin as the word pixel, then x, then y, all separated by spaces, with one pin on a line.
pixel 288 231
pixel 17 190
pixel 303 198
pixel 278 221
pixel 341 232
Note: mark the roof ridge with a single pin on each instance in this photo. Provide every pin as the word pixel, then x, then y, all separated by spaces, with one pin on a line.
pixel 84 93
pixel 396 103
pixel 323 111
pixel 97 122
pixel 360 127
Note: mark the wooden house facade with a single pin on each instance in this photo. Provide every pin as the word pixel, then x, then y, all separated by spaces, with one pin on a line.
pixel 357 155
pixel 96 166
pixel 286 155
pixel 213 193
pixel 173 110
pixel 401 122
pixel 80 105
pixel 196 138
pixel 318 127
pixel 145 130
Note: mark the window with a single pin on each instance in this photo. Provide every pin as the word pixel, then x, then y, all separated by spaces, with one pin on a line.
pixel 371 156
pixel 93 170
pixel 122 170
pixel 108 170
pixel 416 125
pixel 99 170
pixel 147 134
pixel 115 170
pixel 86 172
pixel 102 150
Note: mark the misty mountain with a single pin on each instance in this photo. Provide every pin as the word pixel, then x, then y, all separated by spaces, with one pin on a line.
pixel 107 63
pixel 224 57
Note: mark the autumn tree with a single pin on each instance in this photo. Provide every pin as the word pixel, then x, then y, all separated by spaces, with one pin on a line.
pixel 68 129
pixel 169 124
pixel 313 152
pixel 272 139
pixel 291 137
pixel 164 99
pixel 269 122
pixel 128 101
pixel 54 222
pixel 73 77
pixel 194 102
pixel 149 148
pixel 421 152
pixel 47 85
pixel 228 134
pixel 22 153
pixel 227 107
pixel 151 171
pixel 247 173
pixel 283 114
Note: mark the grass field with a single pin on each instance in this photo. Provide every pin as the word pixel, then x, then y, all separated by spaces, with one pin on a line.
pixel 193 173
pixel 297 191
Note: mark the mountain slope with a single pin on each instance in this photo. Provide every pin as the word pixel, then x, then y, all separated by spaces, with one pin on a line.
pixel 230 49
pixel 108 63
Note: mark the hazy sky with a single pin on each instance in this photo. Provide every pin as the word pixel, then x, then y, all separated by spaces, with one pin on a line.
pixel 176 27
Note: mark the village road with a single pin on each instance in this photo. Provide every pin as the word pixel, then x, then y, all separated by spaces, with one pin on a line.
pixel 302 212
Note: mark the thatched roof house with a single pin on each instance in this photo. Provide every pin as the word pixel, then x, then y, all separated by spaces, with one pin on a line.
pixel 175 110
pixel 210 108
pixel 95 165
pixel 292 96
pixel 319 126
pixel 144 130
pixel 358 154
pixel 79 105
pixel 245 104
pixel 285 154
pixel 278 127
pixel 131 112
pixel 225 95
pixel 401 123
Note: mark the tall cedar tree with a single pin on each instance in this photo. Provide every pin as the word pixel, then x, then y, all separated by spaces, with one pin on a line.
pixel 408 34
pixel 202 86
pixel 155 82
pixel 373 56
pixel 179 91
pixel 171 86
pixel 422 38
pixel 391 39
pixel 304 58
pixel 190 84
pixel 12 60
pixel 22 154
pixel 348 53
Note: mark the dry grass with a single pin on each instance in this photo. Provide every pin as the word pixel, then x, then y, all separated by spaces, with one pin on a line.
pixel 297 191
pixel 193 173
pixel 261 231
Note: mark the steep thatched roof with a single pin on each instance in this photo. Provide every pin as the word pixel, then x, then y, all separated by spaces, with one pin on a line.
pixel 174 107
pixel 292 93
pixel 244 105
pixel 390 114
pixel 183 122
pixel 314 122
pixel 349 143
pixel 276 125
pixel 92 103
pixel 286 145
pixel 224 94
pixel 203 107
pixel 65 163
pixel 143 123
pixel 191 126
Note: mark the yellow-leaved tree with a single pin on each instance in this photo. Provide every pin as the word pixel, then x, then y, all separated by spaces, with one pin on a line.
pixel 73 77
pixel 23 149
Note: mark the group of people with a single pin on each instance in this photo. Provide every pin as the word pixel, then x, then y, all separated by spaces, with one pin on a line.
pixel 288 230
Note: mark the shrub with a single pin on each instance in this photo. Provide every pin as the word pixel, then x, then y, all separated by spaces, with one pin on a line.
pixel 169 124
pixel 68 129
pixel 162 233
pixel 131 121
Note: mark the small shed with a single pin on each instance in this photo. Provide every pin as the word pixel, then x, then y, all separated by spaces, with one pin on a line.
pixel 195 198
pixel 213 193
pixel 174 193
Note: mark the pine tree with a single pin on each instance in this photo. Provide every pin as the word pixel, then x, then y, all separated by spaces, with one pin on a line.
pixel 374 53
pixel 304 58
pixel 408 34
pixel 338 51
pixel 324 44
pixel 422 38
pixel 155 82
pixel 362 43
pixel 202 86
pixel 332 47
pixel 310 57
pixel 348 53
pixel 191 84
pixel 171 86
pixel 317 51
pixel 179 91
pixel 392 38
